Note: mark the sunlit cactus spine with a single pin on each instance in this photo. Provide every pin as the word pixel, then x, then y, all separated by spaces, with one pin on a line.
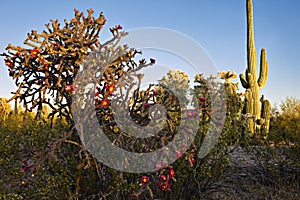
pixel 253 84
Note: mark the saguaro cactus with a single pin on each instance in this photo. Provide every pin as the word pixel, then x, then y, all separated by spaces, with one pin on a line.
pixel 261 114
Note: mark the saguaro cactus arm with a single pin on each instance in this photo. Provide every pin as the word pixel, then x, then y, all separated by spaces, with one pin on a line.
pixel 244 81
pixel 265 114
pixel 263 69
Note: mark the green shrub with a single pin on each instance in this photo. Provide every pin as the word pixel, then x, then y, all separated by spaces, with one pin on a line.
pixel 285 123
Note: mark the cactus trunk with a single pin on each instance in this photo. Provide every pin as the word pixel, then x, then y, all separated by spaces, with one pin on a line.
pixel 253 84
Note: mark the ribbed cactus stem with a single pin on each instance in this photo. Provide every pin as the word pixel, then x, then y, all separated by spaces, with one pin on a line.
pixel 263 69
pixel 265 114
pixel 251 51
pixel 250 81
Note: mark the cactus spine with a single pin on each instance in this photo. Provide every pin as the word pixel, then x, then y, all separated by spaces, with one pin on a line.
pixel 261 116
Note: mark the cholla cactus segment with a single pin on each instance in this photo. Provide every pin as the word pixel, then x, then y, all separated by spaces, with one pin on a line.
pixel 227 76
pixel 199 78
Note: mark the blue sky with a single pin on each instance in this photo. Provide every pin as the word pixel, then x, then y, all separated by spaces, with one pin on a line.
pixel 219 26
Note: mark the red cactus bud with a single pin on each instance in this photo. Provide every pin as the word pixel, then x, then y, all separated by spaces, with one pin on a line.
pixel 155 92
pixel 171 172
pixel 145 180
pixel 69 88
pixel 147 105
pixel 119 26
pixel 110 88
pixel 164 178
pixel 34 52
pixel 105 103
pixel 202 99
pixel 165 187
pixel 9 63
pixel 192 160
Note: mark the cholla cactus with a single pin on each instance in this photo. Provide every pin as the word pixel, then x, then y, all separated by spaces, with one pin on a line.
pixel 49 67
pixel 253 84
pixel 51 60
pixel 177 82
pixel 227 76
pixel 176 79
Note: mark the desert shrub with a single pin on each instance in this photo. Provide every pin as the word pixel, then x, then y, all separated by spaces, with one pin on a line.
pixel 285 133
pixel 23 139
pixel 60 169
pixel 285 122
pixel 35 166
pixel 45 152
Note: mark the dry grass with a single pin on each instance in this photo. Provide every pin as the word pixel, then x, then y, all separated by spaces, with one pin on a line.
pixel 256 176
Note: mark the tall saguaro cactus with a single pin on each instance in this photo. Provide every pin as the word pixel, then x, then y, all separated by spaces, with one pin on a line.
pixel 253 85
